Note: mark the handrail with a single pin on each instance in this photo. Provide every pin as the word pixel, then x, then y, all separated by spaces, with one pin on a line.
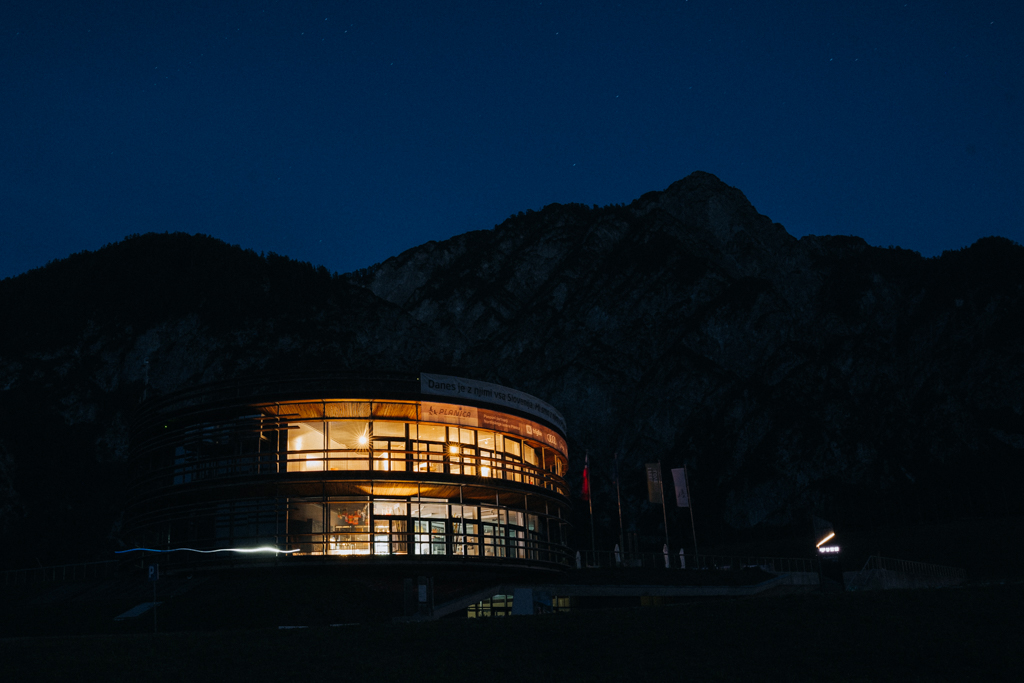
pixel 888 573
pixel 60 572
pixel 914 568
pixel 608 559
pixel 267 464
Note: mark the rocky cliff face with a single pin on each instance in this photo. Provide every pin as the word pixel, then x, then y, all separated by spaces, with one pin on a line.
pixel 787 374
pixel 870 385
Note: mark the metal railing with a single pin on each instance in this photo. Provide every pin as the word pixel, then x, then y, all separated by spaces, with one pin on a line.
pixel 607 559
pixel 377 463
pixel 886 573
pixel 61 572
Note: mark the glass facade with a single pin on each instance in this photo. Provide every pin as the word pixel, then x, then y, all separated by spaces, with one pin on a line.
pixel 266 444
pixel 388 446
pixel 393 480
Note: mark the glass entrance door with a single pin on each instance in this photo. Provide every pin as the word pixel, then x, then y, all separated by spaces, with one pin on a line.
pixel 390 536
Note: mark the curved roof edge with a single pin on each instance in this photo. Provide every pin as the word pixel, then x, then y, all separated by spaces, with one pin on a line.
pixel 355 384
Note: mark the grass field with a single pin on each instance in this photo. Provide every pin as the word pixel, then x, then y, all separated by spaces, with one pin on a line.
pixel 972 633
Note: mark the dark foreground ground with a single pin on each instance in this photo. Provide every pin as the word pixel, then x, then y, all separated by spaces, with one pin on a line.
pixel 972 633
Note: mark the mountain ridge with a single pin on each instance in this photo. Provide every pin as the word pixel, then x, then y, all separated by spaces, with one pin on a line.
pixel 821 374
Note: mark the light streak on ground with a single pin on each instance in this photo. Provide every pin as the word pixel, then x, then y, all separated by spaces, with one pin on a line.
pixel 262 549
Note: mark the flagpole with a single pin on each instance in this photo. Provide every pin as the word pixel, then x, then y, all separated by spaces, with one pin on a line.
pixel 590 499
pixel 664 503
pixel 684 498
pixel 689 496
pixel 618 497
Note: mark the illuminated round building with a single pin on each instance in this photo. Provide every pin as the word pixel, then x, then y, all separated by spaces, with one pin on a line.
pixel 354 468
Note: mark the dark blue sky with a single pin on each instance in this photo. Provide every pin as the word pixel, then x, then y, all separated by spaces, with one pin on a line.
pixel 343 133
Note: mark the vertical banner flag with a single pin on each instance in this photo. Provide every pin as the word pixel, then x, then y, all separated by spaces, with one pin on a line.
pixel 682 493
pixel 586 479
pixel 654 488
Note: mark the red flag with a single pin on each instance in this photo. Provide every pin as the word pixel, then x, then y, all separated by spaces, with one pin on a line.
pixel 586 479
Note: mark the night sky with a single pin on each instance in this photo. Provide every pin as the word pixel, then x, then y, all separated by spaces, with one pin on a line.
pixel 342 133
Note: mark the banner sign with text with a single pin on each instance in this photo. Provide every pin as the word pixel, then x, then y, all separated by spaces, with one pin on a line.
pixel 459 387
pixel 654 488
pixel 449 414
pixel 468 416
pixel 682 493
